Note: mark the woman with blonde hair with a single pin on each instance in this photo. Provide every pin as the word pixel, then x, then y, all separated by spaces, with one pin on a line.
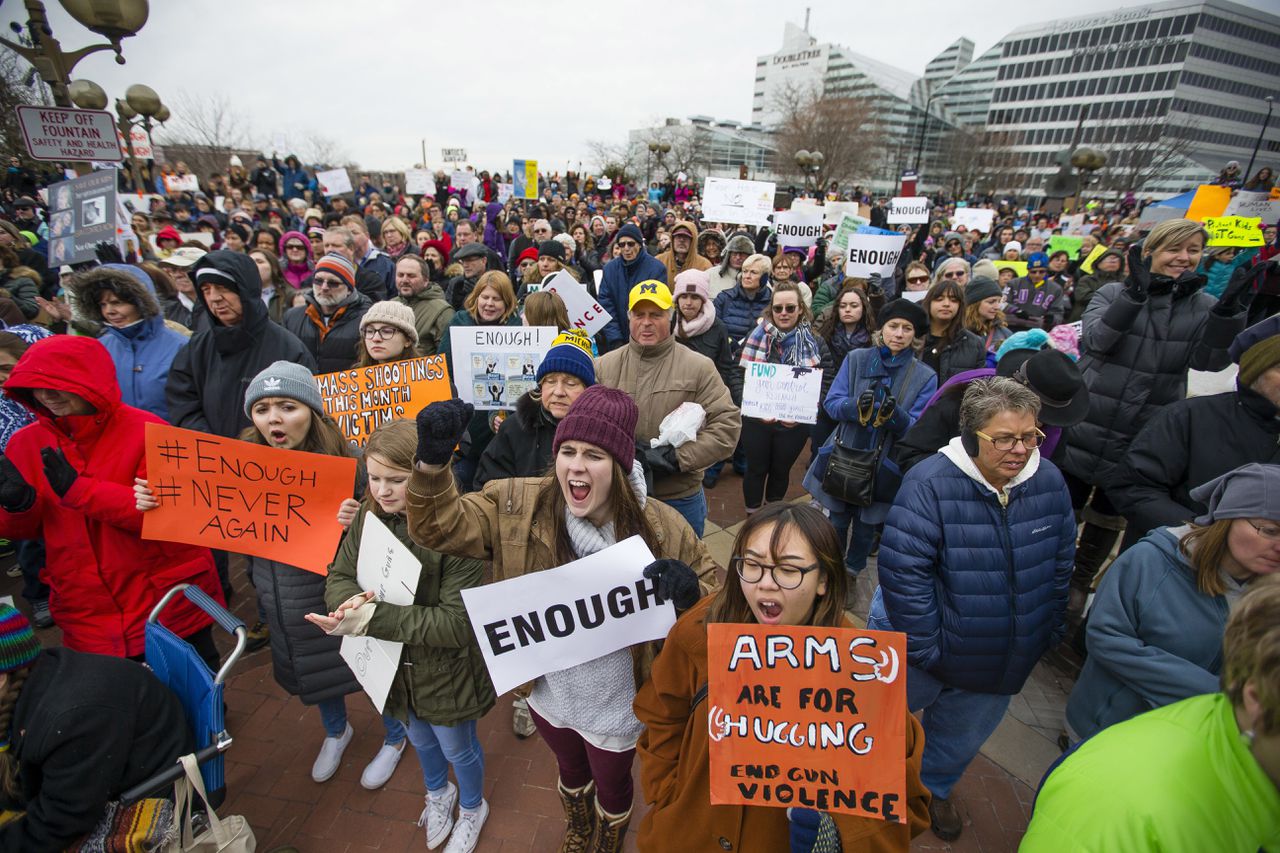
pixel 396 237
pixel 1139 339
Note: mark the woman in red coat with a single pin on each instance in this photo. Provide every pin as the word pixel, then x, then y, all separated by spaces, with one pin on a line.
pixel 68 479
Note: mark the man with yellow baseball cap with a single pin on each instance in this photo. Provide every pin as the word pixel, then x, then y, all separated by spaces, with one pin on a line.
pixel 650 291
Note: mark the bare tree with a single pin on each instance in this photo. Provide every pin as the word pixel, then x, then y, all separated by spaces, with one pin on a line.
pixel 611 159
pixel 208 130
pixel 323 152
pixel 689 151
pixel 20 85
pixel 975 160
pixel 847 129
pixel 1143 150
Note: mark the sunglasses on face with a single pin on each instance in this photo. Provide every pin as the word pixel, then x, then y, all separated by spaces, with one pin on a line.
pixel 954 274
pixel 917 279
pixel 785 309
pixel 330 283
pixel 627 244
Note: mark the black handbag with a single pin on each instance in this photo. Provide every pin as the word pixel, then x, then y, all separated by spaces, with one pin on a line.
pixel 851 471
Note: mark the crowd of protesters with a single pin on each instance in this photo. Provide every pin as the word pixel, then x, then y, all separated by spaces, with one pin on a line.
pixel 991 439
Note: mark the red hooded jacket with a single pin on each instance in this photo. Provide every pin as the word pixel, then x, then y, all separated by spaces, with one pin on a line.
pixel 104 577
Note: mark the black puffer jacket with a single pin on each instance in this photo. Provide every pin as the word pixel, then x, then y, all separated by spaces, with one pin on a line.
pixel 1134 357
pixel 966 352
pixel 714 344
pixel 205 389
pixel 331 340
pixel 1186 445
pixel 522 447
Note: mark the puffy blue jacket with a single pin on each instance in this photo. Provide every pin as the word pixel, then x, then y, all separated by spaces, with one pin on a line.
pixel 980 589
pixel 739 312
pixel 142 354
pixel 615 287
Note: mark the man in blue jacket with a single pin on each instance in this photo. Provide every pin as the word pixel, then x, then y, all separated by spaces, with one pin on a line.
pixel 975 560
pixel 622 274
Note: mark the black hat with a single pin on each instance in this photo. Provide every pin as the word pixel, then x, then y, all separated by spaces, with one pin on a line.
pixel 904 309
pixel 551 249
pixel 1054 377
pixel 981 288
pixel 24 202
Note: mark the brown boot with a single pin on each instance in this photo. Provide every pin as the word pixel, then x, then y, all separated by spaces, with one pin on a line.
pixel 945 820
pixel 580 816
pixel 610 830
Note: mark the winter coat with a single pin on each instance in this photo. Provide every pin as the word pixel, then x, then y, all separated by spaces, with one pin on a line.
pixel 615 289
pixel 1178 779
pixel 692 261
pixel 142 352
pixel 13 415
pixel 506 523
pixel 104 576
pixel 675 774
pixel 869 370
pixel 293 181
pixel 979 588
pixel 206 384
pixel 431 315
pixel 86 728
pixel 334 339
pixel 1089 285
pixel 1187 444
pixel 381 264
pixel 966 352
pixel 723 277
pixel 23 286
pixel 479 432
pixel 714 344
pixel 522 447
pixel 1134 359
pixel 740 311
pixel 1154 638
pixel 1034 306
pixel 442 677
pixel 1218 274
pixel 660 378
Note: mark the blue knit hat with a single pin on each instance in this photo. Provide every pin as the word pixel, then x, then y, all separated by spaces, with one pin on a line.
pixel 570 353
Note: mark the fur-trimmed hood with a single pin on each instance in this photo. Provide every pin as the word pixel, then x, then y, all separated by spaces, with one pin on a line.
pixel 128 283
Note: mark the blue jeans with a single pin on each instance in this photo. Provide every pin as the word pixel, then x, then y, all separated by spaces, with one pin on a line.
pixel 693 508
pixel 956 722
pixel 440 746
pixel 861 542
pixel 333 715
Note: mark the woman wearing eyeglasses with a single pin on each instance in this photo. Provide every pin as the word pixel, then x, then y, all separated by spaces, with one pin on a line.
pixel 387 333
pixel 784 337
pixel 1155 629
pixel 785 570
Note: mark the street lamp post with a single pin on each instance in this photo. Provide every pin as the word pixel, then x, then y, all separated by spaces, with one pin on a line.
pixel 810 163
pixel 139 105
pixel 924 129
pixel 659 148
pixel 1249 169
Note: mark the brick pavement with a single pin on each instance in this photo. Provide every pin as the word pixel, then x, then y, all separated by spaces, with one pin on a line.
pixel 276 739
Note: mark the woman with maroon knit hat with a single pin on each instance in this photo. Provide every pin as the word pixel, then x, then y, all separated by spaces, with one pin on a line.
pixel 594 497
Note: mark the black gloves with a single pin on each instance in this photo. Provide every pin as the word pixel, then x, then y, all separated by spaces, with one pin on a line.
pixel 874 284
pixel 660 460
pixel 888 406
pixel 677 582
pixel 809 827
pixel 58 471
pixel 1240 289
pixel 108 252
pixel 440 427
pixel 1139 280
pixel 16 494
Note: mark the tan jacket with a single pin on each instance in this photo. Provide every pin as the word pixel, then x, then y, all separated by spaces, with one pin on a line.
pixel 661 377
pixel 692 261
pixel 503 523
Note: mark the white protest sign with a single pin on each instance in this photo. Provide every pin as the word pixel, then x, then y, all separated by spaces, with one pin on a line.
pixel 974 219
pixel 560 618
pixel 504 192
pixel 738 202
pixel 141 143
pixel 781 392
pixel 181 183
pixel 453 155
pixel 1254 204
pixel 1072 224
pixel 388 568
pixel 460 180
pixel 848 225
pixel 56 133
pixel 834 212
pixel 800 227
pixel 910 210
pixel 1152 215
pixel 419 182
pixel 584 311
pixel 494 365
pixel 334 181
pixel 873 253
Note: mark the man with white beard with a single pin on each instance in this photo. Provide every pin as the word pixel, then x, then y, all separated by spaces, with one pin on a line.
pixel 329 324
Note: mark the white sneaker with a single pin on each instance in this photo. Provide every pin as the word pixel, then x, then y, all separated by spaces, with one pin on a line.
pixel 437 817
pixel 330 757
pixel 379 770
pixel 466 832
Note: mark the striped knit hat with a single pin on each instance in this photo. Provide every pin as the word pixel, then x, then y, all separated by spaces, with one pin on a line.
pixel 18 643
pixel 339 266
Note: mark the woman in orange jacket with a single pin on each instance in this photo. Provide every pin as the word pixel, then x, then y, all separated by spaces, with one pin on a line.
pixel 789 572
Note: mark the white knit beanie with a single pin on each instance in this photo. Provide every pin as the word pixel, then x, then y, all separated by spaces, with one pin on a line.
pixel 392 313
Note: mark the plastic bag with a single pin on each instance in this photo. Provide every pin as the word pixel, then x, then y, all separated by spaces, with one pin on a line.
pixel 681 425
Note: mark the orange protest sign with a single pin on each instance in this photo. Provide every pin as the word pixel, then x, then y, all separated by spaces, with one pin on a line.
pixel 808 717
pixel 246 498
pixel 364 398
pixel 1209 200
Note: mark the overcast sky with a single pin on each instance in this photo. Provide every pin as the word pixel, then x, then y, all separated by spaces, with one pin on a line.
pixel 503 79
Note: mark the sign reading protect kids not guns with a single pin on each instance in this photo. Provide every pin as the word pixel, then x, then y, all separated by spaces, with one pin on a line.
pixel 364 398
pixel 246 498
pixel 808 717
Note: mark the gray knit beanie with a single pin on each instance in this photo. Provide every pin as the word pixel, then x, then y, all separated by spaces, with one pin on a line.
pixel 284 379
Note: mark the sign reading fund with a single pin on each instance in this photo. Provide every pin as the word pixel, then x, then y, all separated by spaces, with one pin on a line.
pixel 808 717
pixel 552 620
pixel 781 392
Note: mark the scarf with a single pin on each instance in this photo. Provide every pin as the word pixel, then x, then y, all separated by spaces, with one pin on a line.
pixel 686 329
pixel 768 343
pixel 585 537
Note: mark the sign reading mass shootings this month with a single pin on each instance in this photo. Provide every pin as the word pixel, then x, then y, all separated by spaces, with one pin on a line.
pixel 808 717
pixel 364 398
pixel 245 498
